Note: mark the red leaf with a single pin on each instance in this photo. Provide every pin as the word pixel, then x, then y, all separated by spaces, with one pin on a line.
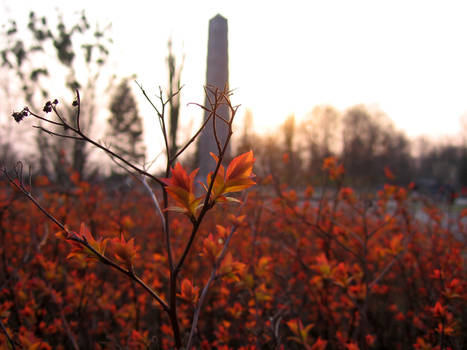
pixel 180 187
pixel 319 344
pixel 388 173
pixel 188 291
pixel 241 167
pixel 81 250
pixel 125 251
pixel 237 177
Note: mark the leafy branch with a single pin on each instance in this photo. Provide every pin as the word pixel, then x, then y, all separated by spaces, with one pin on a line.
pixel 177 185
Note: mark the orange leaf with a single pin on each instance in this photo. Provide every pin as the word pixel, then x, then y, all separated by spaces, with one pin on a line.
pixel 396 244
pixel 211 249
pixel 124 251
pixel 319 344
pixel 370 339
pixel 388 173
pixel 262 293
pixel 264 266
pixel 222 231
pixel 241 166
pixel 81 250
pixel 188 292
pixel 438 310
pixel 237 177
pixel 352 346
pixel 332 168
pixel 297 328
pixel 180 187
pixel 87 236
pixel 230 269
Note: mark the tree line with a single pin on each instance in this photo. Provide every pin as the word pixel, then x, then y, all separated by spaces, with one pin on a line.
pixel 365 141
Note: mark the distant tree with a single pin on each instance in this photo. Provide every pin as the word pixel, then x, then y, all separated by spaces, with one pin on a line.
pixel 268 152
pixel 291 155
pixel 463 161
pixel 370 143
pixel 360 134
pixel 40 56
pixel 174 91
pixel 275 152
pixel 8 155
pixel 463 168
pixel 247 137
pixel 288 130
pixel 442 163
pixel 320 136
pixel 397 156
pixel 8 132
pixel 125 125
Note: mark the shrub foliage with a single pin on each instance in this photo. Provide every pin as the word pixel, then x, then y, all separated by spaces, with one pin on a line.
pixel 283 269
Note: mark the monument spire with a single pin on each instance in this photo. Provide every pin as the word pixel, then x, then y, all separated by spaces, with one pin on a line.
pixel 217 77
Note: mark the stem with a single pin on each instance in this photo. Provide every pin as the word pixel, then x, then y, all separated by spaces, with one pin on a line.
pixel 163 216
pixel 173 308
pixel 65 323
pixel 207 205
pixel 204 292
pixel 5 331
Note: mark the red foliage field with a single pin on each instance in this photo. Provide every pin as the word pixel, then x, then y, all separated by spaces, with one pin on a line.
pixel 302 271
pixel 238 262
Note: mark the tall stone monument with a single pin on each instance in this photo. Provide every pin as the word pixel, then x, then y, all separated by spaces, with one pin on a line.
pixel 217 76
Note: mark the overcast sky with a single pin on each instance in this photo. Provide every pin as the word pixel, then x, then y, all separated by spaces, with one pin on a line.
pixel 409 58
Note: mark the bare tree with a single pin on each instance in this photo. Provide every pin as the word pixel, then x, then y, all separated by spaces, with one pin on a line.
pixel 371 142
pixel 175 72
pixel 320 134
pixel 32 53
pixel 125 125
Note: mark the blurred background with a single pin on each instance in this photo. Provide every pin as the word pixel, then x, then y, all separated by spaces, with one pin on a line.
pixel 374 84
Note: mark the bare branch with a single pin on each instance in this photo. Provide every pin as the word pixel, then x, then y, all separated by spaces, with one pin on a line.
pixel 149 100
pixel 57 134
pixel 78 110
pixel 83 137
pixel 5 331
pixel 193 138
pixel 154 200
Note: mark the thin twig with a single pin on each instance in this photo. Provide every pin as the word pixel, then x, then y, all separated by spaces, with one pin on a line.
pixel 147 98
pixel 84 137
pixel 385 270
pixel 5 331
pixel 65 323
pixel 50 132
pixel 154 199
pixel 190 141
pixel 208 284
pixel 78 110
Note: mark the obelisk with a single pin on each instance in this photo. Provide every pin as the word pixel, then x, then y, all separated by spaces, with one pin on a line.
pixel 217 77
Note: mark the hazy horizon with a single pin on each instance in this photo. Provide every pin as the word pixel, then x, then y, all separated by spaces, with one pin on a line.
pixel 406 59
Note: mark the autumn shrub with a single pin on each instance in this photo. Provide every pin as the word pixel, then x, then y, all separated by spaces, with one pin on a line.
pixel 326 268
pixel 113 247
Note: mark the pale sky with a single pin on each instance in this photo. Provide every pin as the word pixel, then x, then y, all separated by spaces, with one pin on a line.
pixel 409 58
